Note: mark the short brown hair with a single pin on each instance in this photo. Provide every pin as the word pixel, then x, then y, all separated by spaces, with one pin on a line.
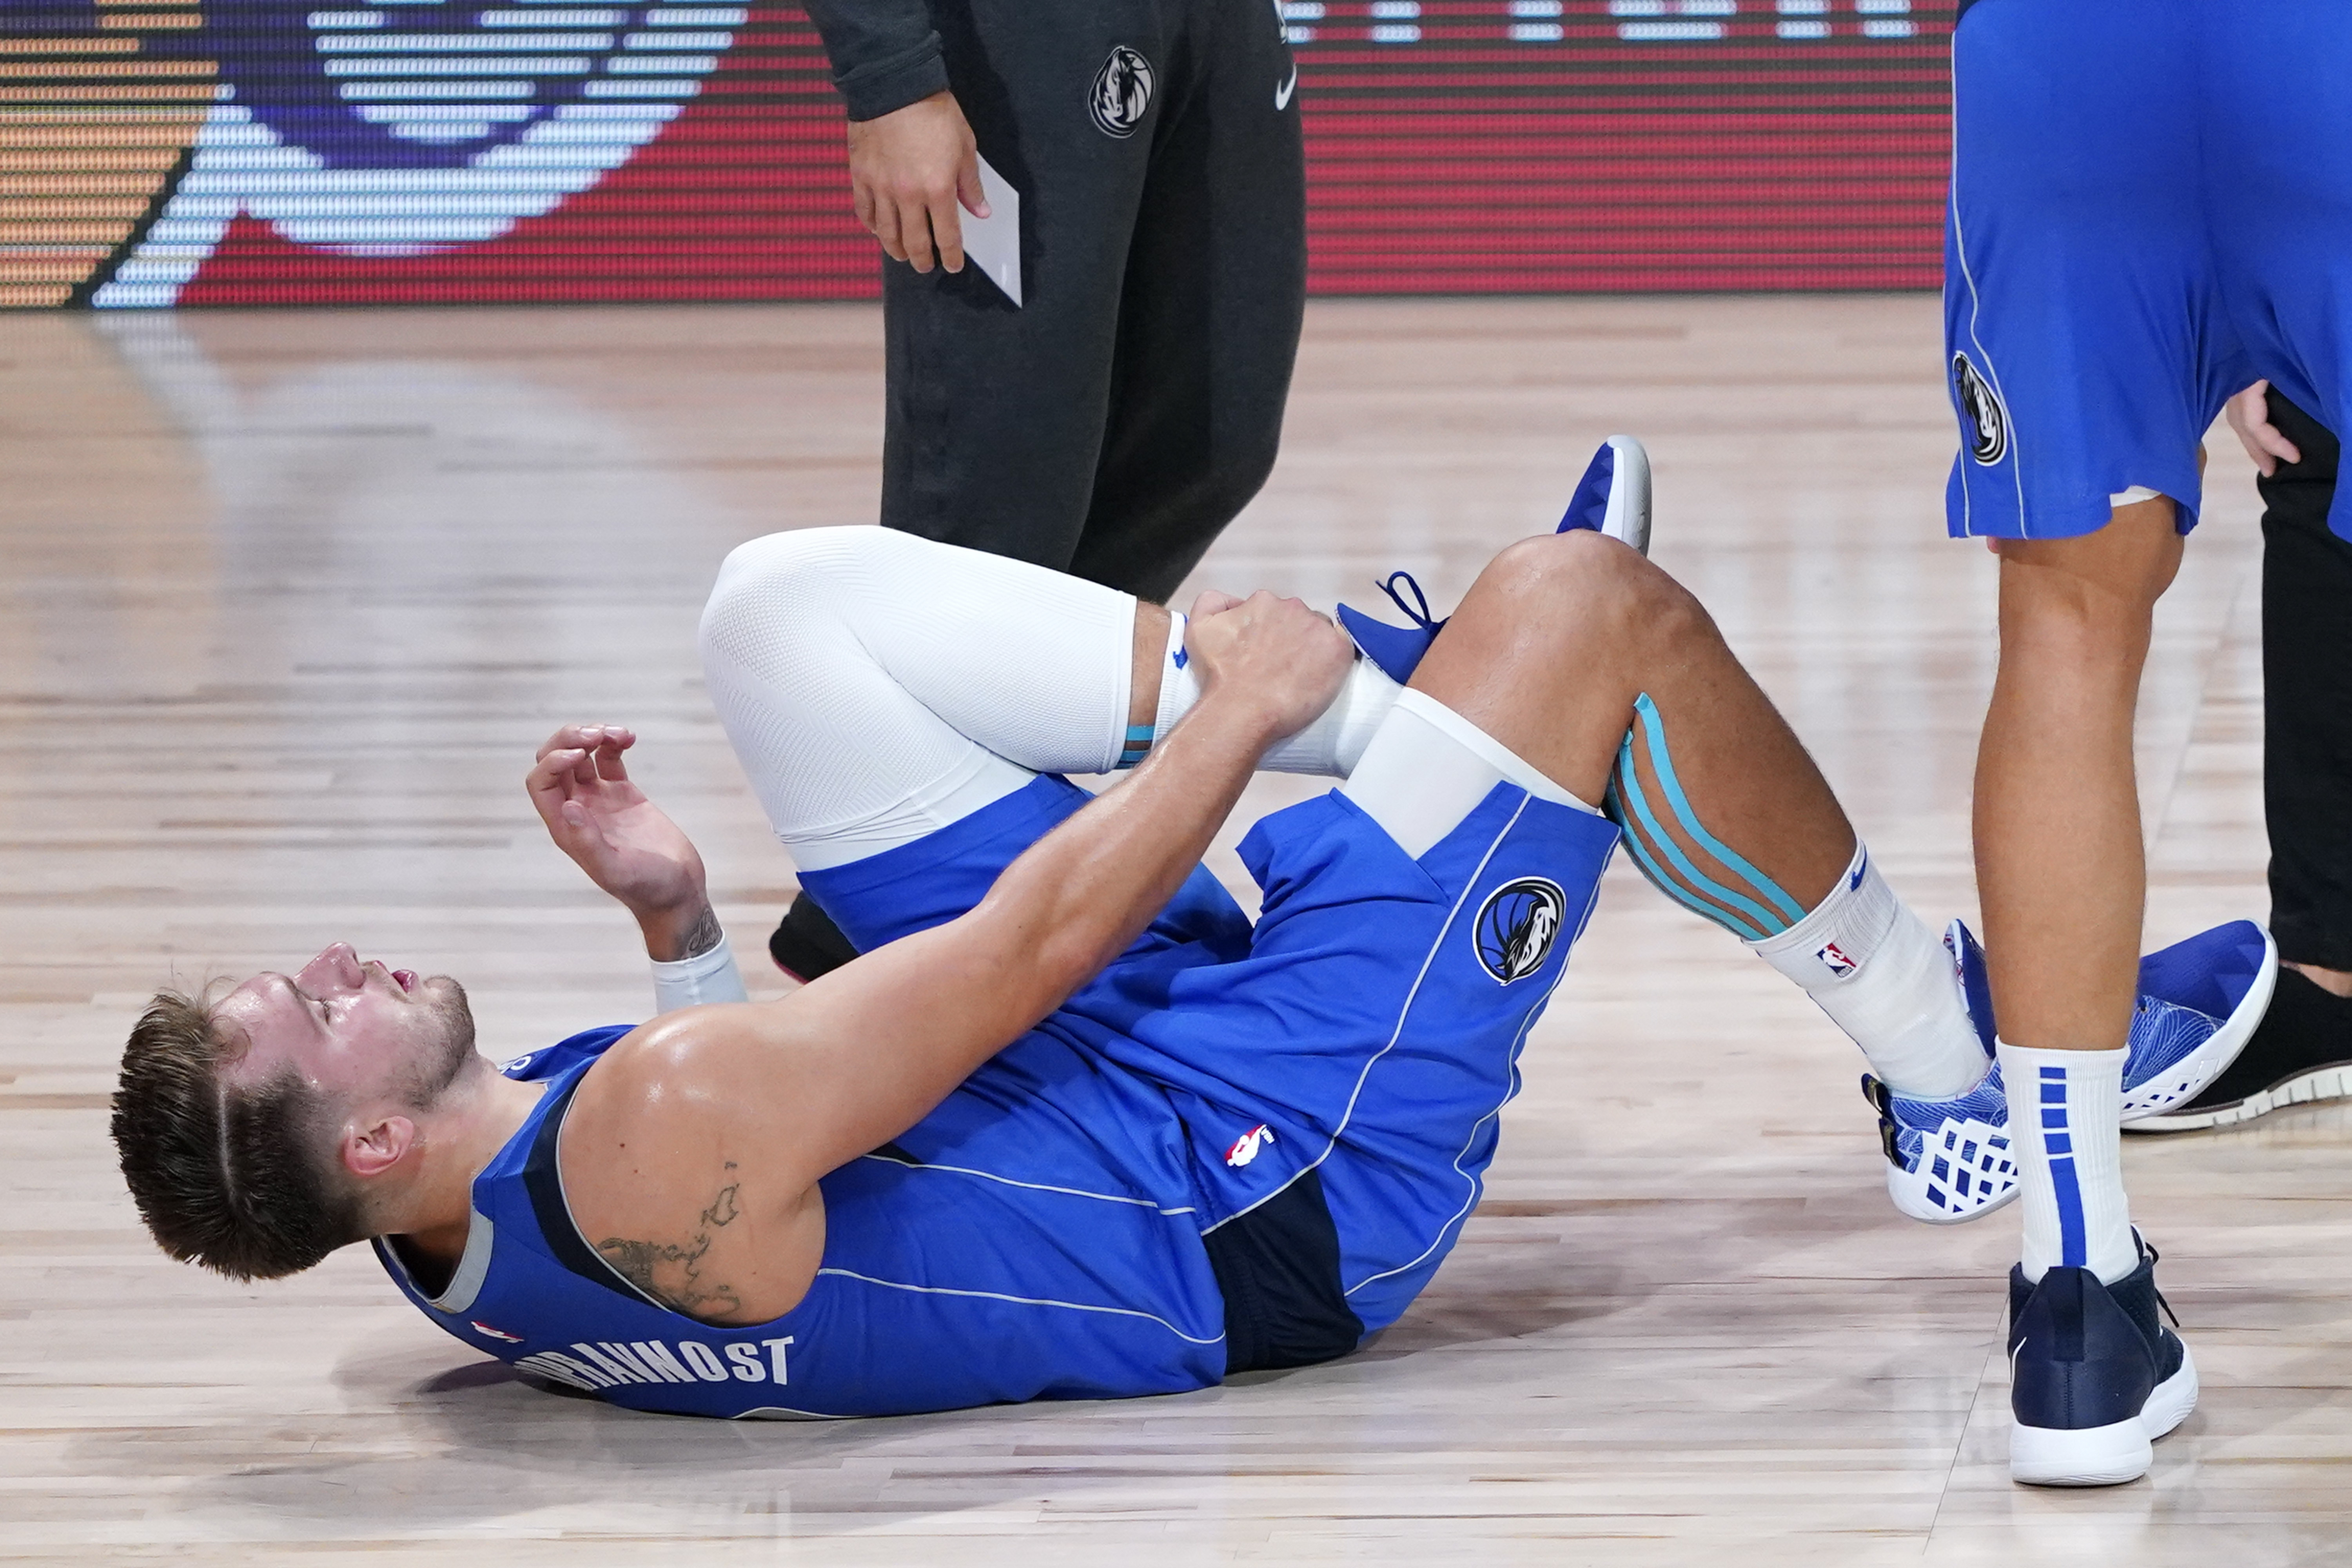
pixel 227 1176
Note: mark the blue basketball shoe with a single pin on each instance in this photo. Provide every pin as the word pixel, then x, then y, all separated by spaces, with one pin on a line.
pixel 1948 1160
pixel 2201 1001
pixel 1613 499
pixel 2094 1376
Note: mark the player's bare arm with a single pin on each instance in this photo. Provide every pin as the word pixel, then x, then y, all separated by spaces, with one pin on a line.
pixel 691 1156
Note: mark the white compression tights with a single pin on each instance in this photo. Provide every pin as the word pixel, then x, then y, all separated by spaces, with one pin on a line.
pixel 878 687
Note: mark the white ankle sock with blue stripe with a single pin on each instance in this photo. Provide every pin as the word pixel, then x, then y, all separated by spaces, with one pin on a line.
pixel 2065 1124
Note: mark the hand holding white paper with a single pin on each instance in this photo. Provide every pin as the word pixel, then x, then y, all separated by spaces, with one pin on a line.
pixel 994 243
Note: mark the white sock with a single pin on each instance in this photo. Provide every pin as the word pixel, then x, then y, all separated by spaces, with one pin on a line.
pixel 1882 977
pixel 1333 744
pixel 2065 1111
pixel 1179 688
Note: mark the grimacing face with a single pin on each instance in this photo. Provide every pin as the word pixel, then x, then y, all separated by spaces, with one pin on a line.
pixel 359 1032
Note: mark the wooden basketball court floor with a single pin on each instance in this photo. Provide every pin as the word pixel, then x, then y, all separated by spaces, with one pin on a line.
pixel 289 598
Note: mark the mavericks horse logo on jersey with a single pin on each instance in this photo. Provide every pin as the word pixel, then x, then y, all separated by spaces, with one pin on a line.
pixel 1123 92
pixel 1982 410
pixel 1517 925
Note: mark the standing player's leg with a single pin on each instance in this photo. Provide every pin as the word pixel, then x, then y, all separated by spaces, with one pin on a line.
pixel 2060 864
pixel 1209 316
pixel 2084 338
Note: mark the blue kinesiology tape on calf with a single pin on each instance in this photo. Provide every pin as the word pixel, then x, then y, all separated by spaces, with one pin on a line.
pixel 1762 910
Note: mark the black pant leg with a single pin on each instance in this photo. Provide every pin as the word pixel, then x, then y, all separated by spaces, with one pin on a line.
pixel 2308 699
pixel 995 414
pixel 1208 319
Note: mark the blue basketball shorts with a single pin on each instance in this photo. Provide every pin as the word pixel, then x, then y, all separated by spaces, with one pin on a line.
pixel 1366 1029
pixel 2151 208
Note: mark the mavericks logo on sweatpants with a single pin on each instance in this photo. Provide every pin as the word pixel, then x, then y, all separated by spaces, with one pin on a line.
pixel 1123 92
pixel 1517 925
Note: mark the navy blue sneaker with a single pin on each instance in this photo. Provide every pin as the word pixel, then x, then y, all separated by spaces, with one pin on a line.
pixel 2094 1376
pixel 1613 498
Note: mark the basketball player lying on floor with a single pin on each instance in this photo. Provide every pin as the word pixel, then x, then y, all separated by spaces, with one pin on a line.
pixel 1071 1127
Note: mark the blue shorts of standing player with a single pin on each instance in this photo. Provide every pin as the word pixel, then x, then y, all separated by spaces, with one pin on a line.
pixel 2151 208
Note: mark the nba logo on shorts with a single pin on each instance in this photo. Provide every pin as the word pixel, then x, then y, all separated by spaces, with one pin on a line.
pixel 1517 925
pixel 1834 960
pixel 1246 1146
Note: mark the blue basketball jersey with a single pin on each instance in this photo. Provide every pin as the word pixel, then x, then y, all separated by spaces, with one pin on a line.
pixel 941 1286
pixel 1300 1111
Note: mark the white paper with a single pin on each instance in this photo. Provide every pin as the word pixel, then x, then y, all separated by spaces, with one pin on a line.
pixel 992 243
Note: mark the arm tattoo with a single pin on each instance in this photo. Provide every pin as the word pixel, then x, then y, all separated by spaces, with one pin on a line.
pixel 706 934
pixel 672 1274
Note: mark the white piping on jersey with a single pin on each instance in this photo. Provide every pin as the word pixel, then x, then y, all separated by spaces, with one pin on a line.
pixel 786 1412
pixel 1469 886
pixel 1976 308
pixel 1511 1092
pixel 1033 1187
pixel 473 1265
pixel 1023 1302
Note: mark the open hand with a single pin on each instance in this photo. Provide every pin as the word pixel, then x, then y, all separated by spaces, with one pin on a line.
pixel 2250 415
pixel 908 171
pixel 1273 653
pixel 626 844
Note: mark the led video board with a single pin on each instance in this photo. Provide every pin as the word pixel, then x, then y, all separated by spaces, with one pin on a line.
pixel 162 152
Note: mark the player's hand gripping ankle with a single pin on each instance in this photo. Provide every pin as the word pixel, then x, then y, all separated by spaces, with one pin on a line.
pixel 626 844
pixel 1270 657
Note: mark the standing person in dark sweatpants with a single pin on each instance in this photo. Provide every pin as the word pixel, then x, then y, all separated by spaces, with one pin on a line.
pixel 1115 421
pixel 2303 1051
pixel 1112 424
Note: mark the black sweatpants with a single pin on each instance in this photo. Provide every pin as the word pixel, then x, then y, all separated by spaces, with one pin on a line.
pixel 2308 699
pixel 1116 422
